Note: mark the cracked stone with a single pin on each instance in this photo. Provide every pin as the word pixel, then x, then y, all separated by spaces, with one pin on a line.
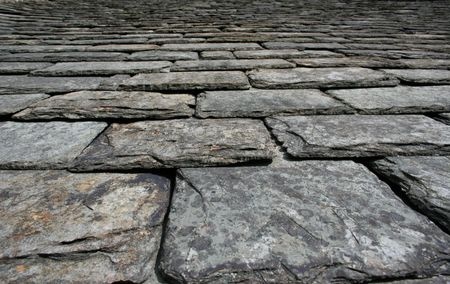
pixel 163 55
pixel 230 64
pixel 211 46
pixel 289 225
pixel 21 67
pixel 421 76
pixel 14 103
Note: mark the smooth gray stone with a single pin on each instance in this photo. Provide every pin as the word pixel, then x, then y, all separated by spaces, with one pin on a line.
pixel 229 64
pixel 426 63
pixel 14 103
pixel 184 81
pixel 44 145
pixel 163 55
pixel 302 45
pixel 424 181
pixel 262 103
pixel 320 78
pixel 361 135
pixel 111 105
pixel 217 55
pixel 180 143
pixel 368 62
pixel 400 99
pixel 211 46
pixel 64 56
pixel 421 76
pixel 292 225
pixel 59 227
pixel 21 67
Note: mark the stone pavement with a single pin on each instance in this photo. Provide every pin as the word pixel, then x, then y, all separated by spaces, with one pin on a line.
pixel 224 141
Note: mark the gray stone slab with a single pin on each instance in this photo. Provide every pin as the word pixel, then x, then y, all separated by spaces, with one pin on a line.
pixel 44 145
pixel 217 55
pixel 397 54
pixel 320 78
pixel 285 53
pixel 424 181
pixel 180 143
pixel 361 135
pixel 111 105
pixel 102 68
pixel 292 225
pixel 63 56
pixel 421 76
pixel 262 103
pixel 163 55
pixel 14 103
pixel 231 46
pixel 59 227
pixel 368 62
pixel 302 45
pixel 229 64
pixel 122 47
pixel 445 117
pixel 400 99
pixel 35 48
pixel 426 63
pixel 21 67
pixel 183 81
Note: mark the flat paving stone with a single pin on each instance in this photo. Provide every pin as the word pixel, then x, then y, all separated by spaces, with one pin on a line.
pixel 102 68
pixel 421 76
pixel 268 54
pixel 180 143
pixel 122 47
pixel 361 136
pixel 163 55
pixel 397 54
pixel 368 62
pixel 184 81
pixel 292 225
pixel 230 46
pixel 230 64
pixel 424 181
pixel 344 77
pixel 44 145
pixel 302 45
pixel 14 103
pixel 400 99
pixel 64 56
pixel 21 67
pixel 262 103
pixel 110 105
pixel 75 228
pixel 217 55
pixel 426 63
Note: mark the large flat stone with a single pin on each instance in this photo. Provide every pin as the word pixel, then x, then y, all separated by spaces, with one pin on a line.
pixel 180 143
pixel 63 56
pixel 292 225
pixel 268 54
pixel 401 99
pixel 421 76
pixel 397 54
pixel 163 55
pixel 320 78
pixel 303 45
pixel 43 145
pixel 111 105
pixel 183 81
pixel 21 67
pixel 424 181
pixel 59 227
pixel 426 63
pixel 230 64
pixel 14 103
pixel 211 46
pixel 361 135
pixel 262 103
pixel 368 62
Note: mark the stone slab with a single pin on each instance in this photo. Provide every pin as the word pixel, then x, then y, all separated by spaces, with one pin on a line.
pixel 111 105
pixel 292 225
pixel 63 56
pixel 21 67
pixel 74 228
pixel 217 55
pixel 268 54
pixel 163 55
pixel 361 135
pixel 229 64
pixel 302 45
pixel 262 103
pixel 184 81
pixel 180 143
pixel 368 62
pixel 426 63
pixel 44 145
pixel 397 54
pixel 14 103
pixel 400 99
pixel 230 46
pixel 421 76
pixel 424 181
pixel 344 77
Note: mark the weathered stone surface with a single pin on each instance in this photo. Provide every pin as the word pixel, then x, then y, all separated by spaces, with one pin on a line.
pixel 361 136
pixel 368 62
pixel 401 99
pixel 122 47
pixel 230 64
pixel 42 145
pixel 14 103
pixel 212 46
pixel 180 143
pixel 63 56
pixel 426 63
pixel 445 117
pixel 21 67
pixel 163 55
pixel 424 181
pixel 320 78
pixel 181 81
pixel 111 105
pixel 217 55
pixel 292 225
pixel 73 228
pixel 397 54
pixel 302 45
pixel 265 54
pixel 262 103
pixel 102 68
pixel 421 76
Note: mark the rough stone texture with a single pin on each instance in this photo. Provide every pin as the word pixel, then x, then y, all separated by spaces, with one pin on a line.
pixel 319 78
pixel 43 145
pixel 111 105
pixel 262 103
pixel 63 56
pixel 114 220
pixel 102 68
pixel 400 99
pixel 361 136
pixel 14 103
pixel 291 225
pixel 181 81
pixel 182 143
pixel 265 54
pixel 421 76
pixel 163 55
pixel 217 55
pixel 230 64
pixel 368 62
pixel 424 181
pixel 7 68
pixel 301 45
pixel 426 63
pixel 211 46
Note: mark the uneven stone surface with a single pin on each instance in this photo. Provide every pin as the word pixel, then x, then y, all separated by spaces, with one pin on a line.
pixel 14 103
pixel 211 46
pixel 369 62
pixel 360 136
pixel 63 56
pixel 217 55
pixel 298 228
pixel 7 68
pixel 421 76
pixel 115 226
pixel 229 64
pixel 163 55
pixel 320 78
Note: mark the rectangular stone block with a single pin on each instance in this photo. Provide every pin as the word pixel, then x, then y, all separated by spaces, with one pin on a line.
pixel 229 64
